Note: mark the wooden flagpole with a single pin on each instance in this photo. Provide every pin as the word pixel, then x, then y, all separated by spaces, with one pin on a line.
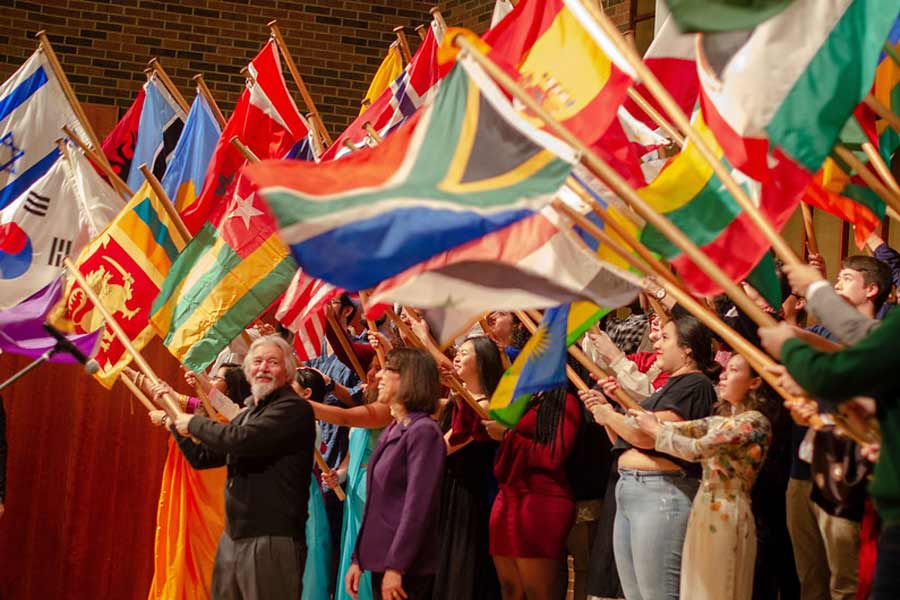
pixel 420 29
pixel 526 319
pixel 169 403
pixel 373 133
pixel 488 331
pixel 247 152
pixel 341 334
pixel 757 359
pixel 655 115
pixel 295 73
pixel 880 167
pixel 137 393
pixel 168 206
pixel 403 43
pixel 439 19
pixel 883 111
pixel 620 187
pixel 809 227
pixel 782 249
pixel 316 136
pixel 349 145
pixel 323 466
pixel 69 92
pixel 114 180
pixel 364 301
pixel 207 95
pixel 169 84
pixel 888 196
pixel 453 380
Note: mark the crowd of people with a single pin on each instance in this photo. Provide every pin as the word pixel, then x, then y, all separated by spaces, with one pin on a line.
pixel 713 488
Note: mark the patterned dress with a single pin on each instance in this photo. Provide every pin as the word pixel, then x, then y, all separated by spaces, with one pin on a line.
pixel 720 544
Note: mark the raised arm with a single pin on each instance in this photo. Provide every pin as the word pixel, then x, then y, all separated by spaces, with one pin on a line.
pixel 692 440
pixel 367 416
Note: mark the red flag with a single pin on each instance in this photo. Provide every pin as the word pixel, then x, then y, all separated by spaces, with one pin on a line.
pixel 119 144
pixel 265 119
pixel 303 311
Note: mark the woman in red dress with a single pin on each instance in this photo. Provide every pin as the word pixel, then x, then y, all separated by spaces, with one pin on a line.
pixel 535 508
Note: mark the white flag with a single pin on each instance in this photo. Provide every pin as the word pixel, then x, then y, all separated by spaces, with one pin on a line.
pixel 53 218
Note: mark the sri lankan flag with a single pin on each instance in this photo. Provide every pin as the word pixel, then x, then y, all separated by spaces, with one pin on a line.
pixel 463 167
pixel 541 365
pixel 221 282
pixel 126 265
pixel 690 195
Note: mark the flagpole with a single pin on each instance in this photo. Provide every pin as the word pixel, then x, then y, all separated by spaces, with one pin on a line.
pixel 168 84
pixel 453 381
pixel 69 92
pixel 364 301
pixel 316 136
pixel 489 331
pixel 168 206
pixel 576 379
pixel 439 19
pixel 170 405
pixel 620 187
pixel 207 95
pixel 292 67
pixel 114 179
pixel 883 111
pixel 247 152
pixel 345 344
pixel 881 168
pixel 782 249
pixel 758 360
pixel 403 43
pixel 809 228
pixel 420 29
pixel 889 198
pixel 373 133
pixel 137 393
pixel 323 466
pixel 656 117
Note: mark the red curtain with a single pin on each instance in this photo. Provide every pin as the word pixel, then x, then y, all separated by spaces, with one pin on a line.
pixel 83 475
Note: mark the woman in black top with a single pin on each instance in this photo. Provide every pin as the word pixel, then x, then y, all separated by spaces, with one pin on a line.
pixel 655 491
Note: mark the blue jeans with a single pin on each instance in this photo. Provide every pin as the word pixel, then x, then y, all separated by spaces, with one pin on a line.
pixel 651 519
pixel 887 578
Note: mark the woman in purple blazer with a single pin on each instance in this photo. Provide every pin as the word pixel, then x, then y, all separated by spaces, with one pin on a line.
pixel 397 540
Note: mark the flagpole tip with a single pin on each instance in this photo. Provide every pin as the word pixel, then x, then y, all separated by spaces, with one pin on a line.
pixel 40 34
pixel 434 9
pixel 197 78
pixel 398 28
pixel 272 23
pixel 152 62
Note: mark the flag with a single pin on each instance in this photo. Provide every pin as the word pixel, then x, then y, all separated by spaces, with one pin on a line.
pixel 847 198
pixel 389 69
pixel 465 166
pixel 887 91
pixel 265 119
pixel 22 327
pixel 532 263
pixel 693 198
pixel 723 15
pixel 826 53
pixel 190 519
pixel 33 111
pixel 160 126
pixel 541 365
pixel 223 280
pixel 302 311
pixel 552 45
pixel 410 90
pixel 53 218
pixel 118 146
pixel 501 9
pixel 186 171
pixel 671 57
pixel 126 265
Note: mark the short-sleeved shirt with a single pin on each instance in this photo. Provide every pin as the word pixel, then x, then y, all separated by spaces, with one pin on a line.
pixel 691 396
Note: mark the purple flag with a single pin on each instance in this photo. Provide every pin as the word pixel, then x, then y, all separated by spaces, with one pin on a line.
pixel 22 327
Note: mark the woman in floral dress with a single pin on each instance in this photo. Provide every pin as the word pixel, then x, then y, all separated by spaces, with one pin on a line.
pixel 720 544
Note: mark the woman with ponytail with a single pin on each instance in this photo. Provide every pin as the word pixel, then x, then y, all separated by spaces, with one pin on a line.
pixel 655 490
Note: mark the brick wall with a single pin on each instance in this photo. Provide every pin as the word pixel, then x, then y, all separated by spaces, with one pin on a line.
pixel 104 45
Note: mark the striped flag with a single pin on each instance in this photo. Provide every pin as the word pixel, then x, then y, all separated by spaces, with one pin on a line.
pixel 302 311
pixel 465 166
pixel 186 171
pixel 159 128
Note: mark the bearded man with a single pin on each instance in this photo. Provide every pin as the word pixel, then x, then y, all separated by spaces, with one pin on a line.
pixel 268 449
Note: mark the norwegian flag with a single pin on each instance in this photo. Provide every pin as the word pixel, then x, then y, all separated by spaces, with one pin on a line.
pixel 303 312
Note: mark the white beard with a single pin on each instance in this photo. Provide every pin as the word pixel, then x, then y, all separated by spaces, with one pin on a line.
pixel 262 389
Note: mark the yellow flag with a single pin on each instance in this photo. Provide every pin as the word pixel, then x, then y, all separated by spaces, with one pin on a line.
pixel 390 69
